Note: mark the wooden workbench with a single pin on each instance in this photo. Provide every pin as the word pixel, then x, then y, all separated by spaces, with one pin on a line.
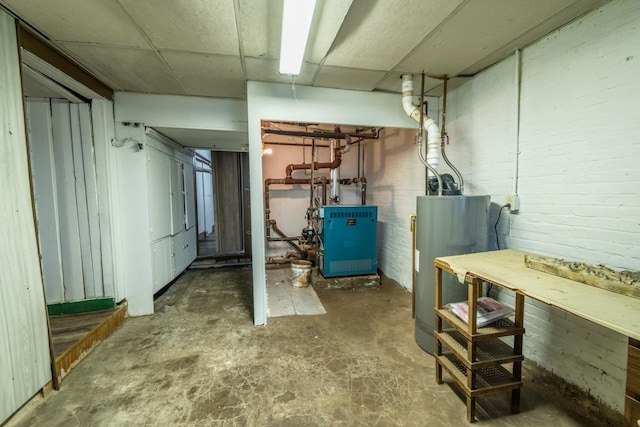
pixel 507 269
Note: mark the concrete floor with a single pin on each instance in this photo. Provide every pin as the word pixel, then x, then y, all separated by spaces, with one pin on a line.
pixel 200 361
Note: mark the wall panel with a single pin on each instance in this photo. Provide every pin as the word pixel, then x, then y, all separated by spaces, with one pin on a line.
pixel 45 194
pixel 24 354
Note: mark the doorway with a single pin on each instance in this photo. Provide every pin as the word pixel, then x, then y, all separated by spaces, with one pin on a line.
pixel 222 194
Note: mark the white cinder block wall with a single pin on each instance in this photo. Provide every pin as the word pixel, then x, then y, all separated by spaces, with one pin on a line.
pixel 396 178
pixel 579 177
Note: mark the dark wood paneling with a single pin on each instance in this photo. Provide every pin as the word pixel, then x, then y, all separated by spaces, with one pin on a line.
pixel 43 50
pixel 631 412
pixel 227 172
pixel 246 203
pixel 633 372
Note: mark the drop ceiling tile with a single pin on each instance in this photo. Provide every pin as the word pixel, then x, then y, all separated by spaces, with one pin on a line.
pixel 134 70
pixel 260 24
pixel 90 21
pixel 554 22
pixel 453 83
pixel 477 30
pixel 266 70
pixel 328 18
pixel 208 75
pixel 393 83
pixel 377 35
pixel 194 25
pixel 347 78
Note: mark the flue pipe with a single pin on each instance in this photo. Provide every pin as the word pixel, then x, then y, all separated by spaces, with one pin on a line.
pixel 430 126
pixel 335 173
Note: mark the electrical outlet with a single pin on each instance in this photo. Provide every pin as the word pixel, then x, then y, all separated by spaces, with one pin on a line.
pixel 514 201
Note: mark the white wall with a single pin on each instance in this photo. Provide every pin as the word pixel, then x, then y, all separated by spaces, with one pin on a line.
pixel 307 104
pixel 103 133
pixel 579 176
pixel 175 111
pixel 24 352
pixel 131 214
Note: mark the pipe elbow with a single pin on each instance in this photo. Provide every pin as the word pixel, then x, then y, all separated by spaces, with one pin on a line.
pixel 289 170
pixel 345 149
pixel 408 106
pixel 433 131
pixel 429 125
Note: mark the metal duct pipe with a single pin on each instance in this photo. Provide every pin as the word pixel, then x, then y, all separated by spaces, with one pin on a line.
pixel 363 193
pixel 335 173
pixel 430 126
pixel 313 159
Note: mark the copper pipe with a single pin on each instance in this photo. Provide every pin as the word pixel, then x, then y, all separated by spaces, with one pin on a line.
pixel 293 144
pixel 323 135
pixel 315 165
pixel 284 236
pixel 271 223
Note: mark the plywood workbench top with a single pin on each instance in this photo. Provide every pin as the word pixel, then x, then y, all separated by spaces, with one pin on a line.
pixel 506 269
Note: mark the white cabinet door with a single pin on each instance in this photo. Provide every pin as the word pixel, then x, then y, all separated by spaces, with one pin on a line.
pixel 189 195
pixel 191 246
pixel 184 248
pixel 158 174
pixel 163 263
pixel 177 197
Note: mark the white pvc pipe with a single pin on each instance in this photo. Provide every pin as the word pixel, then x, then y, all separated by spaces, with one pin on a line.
pixel 430 126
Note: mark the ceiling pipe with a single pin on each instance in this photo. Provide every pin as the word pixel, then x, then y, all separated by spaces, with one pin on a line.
pixel 430 126
pixel 322 135
pixel 316 165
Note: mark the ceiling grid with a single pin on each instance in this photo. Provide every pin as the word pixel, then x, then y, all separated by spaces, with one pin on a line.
pixel 206 48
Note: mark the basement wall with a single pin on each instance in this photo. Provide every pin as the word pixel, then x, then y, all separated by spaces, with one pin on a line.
pixel 578 177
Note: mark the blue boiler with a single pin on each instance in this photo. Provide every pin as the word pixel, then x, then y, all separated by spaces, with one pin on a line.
pixel 348 240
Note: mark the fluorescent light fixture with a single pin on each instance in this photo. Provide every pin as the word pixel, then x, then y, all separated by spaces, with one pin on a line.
pixel 296 23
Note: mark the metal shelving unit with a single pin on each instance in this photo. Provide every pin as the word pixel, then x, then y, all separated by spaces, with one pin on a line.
pixel 476 357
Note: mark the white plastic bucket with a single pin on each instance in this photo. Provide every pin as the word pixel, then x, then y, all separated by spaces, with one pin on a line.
pixel 300 273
